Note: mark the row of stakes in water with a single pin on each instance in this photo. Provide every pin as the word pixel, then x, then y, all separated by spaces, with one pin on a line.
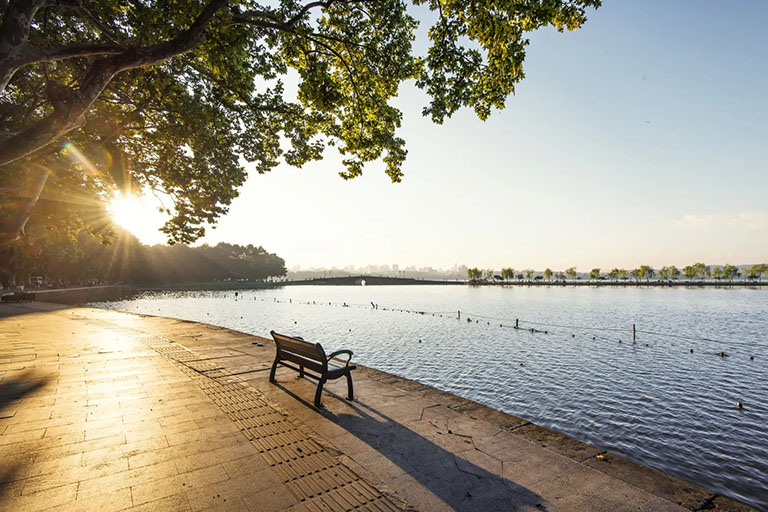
pixel 532 330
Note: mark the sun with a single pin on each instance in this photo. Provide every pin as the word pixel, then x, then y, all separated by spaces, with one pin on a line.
pixel 139 215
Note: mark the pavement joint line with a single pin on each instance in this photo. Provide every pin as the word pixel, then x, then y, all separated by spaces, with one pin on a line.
pixel 310 476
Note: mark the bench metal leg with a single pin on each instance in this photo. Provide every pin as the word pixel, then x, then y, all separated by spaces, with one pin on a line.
pixel 350 389
pixel 272 373
pixel 301 372
pixel 318 393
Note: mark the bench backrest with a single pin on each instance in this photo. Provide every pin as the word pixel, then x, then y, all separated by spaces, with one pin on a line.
pixel 309 355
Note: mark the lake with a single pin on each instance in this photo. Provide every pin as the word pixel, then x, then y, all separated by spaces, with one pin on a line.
pixel 668 400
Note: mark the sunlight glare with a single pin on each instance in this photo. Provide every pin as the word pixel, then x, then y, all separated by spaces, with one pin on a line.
pixel 140 216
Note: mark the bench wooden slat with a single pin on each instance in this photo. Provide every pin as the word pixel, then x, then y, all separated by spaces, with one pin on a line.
pixel 300 347
pixel 308 364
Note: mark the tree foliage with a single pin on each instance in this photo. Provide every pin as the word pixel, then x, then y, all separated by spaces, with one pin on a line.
pixel 178 95
pixel 85 261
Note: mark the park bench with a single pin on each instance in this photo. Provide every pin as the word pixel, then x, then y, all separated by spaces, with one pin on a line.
pixel 309 360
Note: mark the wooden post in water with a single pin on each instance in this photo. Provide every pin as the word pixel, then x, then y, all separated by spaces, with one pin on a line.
pixel 634 333
pixel 459 317
pixel 517 323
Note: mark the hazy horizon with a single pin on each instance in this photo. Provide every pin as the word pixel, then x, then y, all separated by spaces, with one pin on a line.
pixel 639 139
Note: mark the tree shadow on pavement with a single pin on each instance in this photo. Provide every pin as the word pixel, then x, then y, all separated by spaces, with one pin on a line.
pixel 13 459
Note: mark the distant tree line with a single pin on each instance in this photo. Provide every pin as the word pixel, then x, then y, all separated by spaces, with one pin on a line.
pixel 83 260
pixel 698 271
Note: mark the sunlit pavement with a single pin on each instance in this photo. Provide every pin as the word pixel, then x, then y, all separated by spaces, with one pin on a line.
pixel 101 410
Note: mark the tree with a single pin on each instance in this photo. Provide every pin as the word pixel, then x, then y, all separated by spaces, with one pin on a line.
pixel 756 271
pixel 86 261
pixel 489 274
pixel 717 273
pixel 664 273
pixel 507 274
pixel 623 273
pixel 689 272
pixel 548 274
pixel 594 273
pixel 528 274
pixel 729 272
pixel 674 272
pixel 637 273
pixel 570 272
pixel 173 96
pixel 647 272
pixel 701 270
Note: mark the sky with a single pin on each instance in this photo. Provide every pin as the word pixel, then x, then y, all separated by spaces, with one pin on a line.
pixel 641 138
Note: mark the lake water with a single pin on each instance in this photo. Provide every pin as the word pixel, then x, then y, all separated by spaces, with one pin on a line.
pixel 653 401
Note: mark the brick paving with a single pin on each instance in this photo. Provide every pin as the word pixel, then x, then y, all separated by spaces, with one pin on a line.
pixel 108 411
pixel 98 417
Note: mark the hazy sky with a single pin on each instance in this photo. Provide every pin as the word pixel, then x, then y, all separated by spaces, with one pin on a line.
pixel 641 138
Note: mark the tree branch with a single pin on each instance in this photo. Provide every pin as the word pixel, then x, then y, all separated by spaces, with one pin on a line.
pixel 70 114
pixel 14 32
pixel 34 55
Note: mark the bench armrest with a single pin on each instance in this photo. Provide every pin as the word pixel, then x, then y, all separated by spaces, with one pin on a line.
pixel 339 352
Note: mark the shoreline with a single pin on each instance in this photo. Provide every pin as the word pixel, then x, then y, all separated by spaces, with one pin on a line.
pixel 75 295
pixel 441 421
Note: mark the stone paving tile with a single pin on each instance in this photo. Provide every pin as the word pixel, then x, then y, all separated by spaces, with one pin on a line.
pixel 176 503
pixel 110 502
pixel 54 497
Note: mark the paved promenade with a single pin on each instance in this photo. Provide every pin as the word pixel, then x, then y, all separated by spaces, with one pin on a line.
pixel 108 411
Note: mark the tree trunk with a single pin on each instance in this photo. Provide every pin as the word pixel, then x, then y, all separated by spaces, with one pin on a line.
pixel 15 228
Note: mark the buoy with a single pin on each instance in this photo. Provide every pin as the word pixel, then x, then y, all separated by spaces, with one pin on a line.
pixel 691 351
pixel 573 335
pixel 419 341
pixel 739 405
pixel 751 358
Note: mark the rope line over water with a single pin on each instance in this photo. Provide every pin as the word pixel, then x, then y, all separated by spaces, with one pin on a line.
pixel 517 324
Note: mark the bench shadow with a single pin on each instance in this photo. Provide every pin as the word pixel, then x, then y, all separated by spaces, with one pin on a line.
pixel 454 480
